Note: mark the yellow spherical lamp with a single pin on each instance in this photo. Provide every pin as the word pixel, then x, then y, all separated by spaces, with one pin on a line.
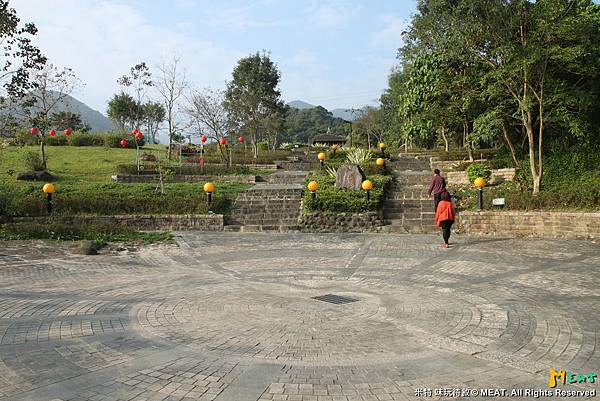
pixel 367 185
pixel 380 161
pixel 479 182
pixel 313 186
pixel 209 187
pixel 48 188
pixel 321 156
pixel 381 145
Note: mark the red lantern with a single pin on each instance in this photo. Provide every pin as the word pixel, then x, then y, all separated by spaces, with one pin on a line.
pixel 139 135
pixel 52 132
pixel 34 131
pixel 134 131
pixel 123 143
pixel 203 138
pixel 223 141
pixel 68 131
pixel 241 139
pixel 202 162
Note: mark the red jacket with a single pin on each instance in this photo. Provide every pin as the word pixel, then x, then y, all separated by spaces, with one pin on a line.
pixel 445 211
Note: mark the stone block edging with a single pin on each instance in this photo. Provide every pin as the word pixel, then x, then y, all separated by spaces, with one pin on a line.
pixel 566 225
pixel 144 178
pixel 498 175
pixel 340 222
pixel 208 222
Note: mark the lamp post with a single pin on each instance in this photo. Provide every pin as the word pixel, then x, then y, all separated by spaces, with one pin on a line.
pixel 209 188
pixel 313 187
pixel 48 190
pixel 479 184
pixel 242 140
pixel 367 186
pixel 380 161
pixel 382 148
pixel 321 156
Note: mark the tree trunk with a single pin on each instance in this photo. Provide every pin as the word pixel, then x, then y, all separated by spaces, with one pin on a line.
pixel 445 138
pixel 43 153
pixel 532 162
pixel 510 144
pixel 465 139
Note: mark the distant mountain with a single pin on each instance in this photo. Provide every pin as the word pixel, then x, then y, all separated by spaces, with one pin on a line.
pixel 344 114
pixel 97 121
pixel 299 104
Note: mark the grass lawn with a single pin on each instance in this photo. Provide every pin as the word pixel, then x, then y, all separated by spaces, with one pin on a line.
pixel 84 185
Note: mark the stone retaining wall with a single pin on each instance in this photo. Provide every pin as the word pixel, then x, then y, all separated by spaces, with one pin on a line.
pixel 534 224
pixel 245 179
pixel 460 177
pixel 210 222
pixel 340 222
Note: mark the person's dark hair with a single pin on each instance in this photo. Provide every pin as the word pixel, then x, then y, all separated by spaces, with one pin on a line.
pixel 445 196
pixel 436 171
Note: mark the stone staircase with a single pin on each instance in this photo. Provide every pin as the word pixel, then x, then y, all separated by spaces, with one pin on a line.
pixel 270 206
pixel 407 207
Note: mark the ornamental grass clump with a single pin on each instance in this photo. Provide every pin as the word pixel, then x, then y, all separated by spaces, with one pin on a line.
pixel 359 156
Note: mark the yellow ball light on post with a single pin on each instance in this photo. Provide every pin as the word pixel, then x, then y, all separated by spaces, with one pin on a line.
pixel 313 186
pixel 367 185
pixel 380 161
pixel 382 146
pixel 209 187
pixel 321 156
pixel 48 188
pixel 479 182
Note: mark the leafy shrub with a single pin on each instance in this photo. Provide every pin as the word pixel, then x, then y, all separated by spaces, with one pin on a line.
pixel 476 170
pixel 23 137
pixel 262 145
pixel 81 139
pixel 33 161
pixel 340 200
pixel 114 141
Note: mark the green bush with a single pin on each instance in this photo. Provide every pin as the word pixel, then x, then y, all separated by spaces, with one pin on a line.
pixel 81 139
pixel 33 161
pixel 339 200
pixel 476 170
pixel 114 140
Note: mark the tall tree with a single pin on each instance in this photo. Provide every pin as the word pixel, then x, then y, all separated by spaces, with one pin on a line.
pixel 208 115
pixel 18 56
pixel 65 119
pixel 154 115
pixel 122 111
pixel 171 84
pixel 138 81
pixel 252 97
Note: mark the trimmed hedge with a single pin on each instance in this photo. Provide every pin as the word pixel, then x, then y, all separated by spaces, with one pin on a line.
pixel 114 199
pixel 209 169
pixel 24 138
pixel 340 200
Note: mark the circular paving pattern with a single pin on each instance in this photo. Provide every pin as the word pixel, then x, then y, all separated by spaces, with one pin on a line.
pixel 232 316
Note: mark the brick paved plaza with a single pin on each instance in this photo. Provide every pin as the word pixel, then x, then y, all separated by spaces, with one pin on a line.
pixel 231 316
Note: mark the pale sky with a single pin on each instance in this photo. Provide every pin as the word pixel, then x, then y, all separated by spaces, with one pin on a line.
pixel 334 53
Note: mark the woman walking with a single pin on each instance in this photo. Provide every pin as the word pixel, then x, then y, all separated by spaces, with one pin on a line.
pixel 444 216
